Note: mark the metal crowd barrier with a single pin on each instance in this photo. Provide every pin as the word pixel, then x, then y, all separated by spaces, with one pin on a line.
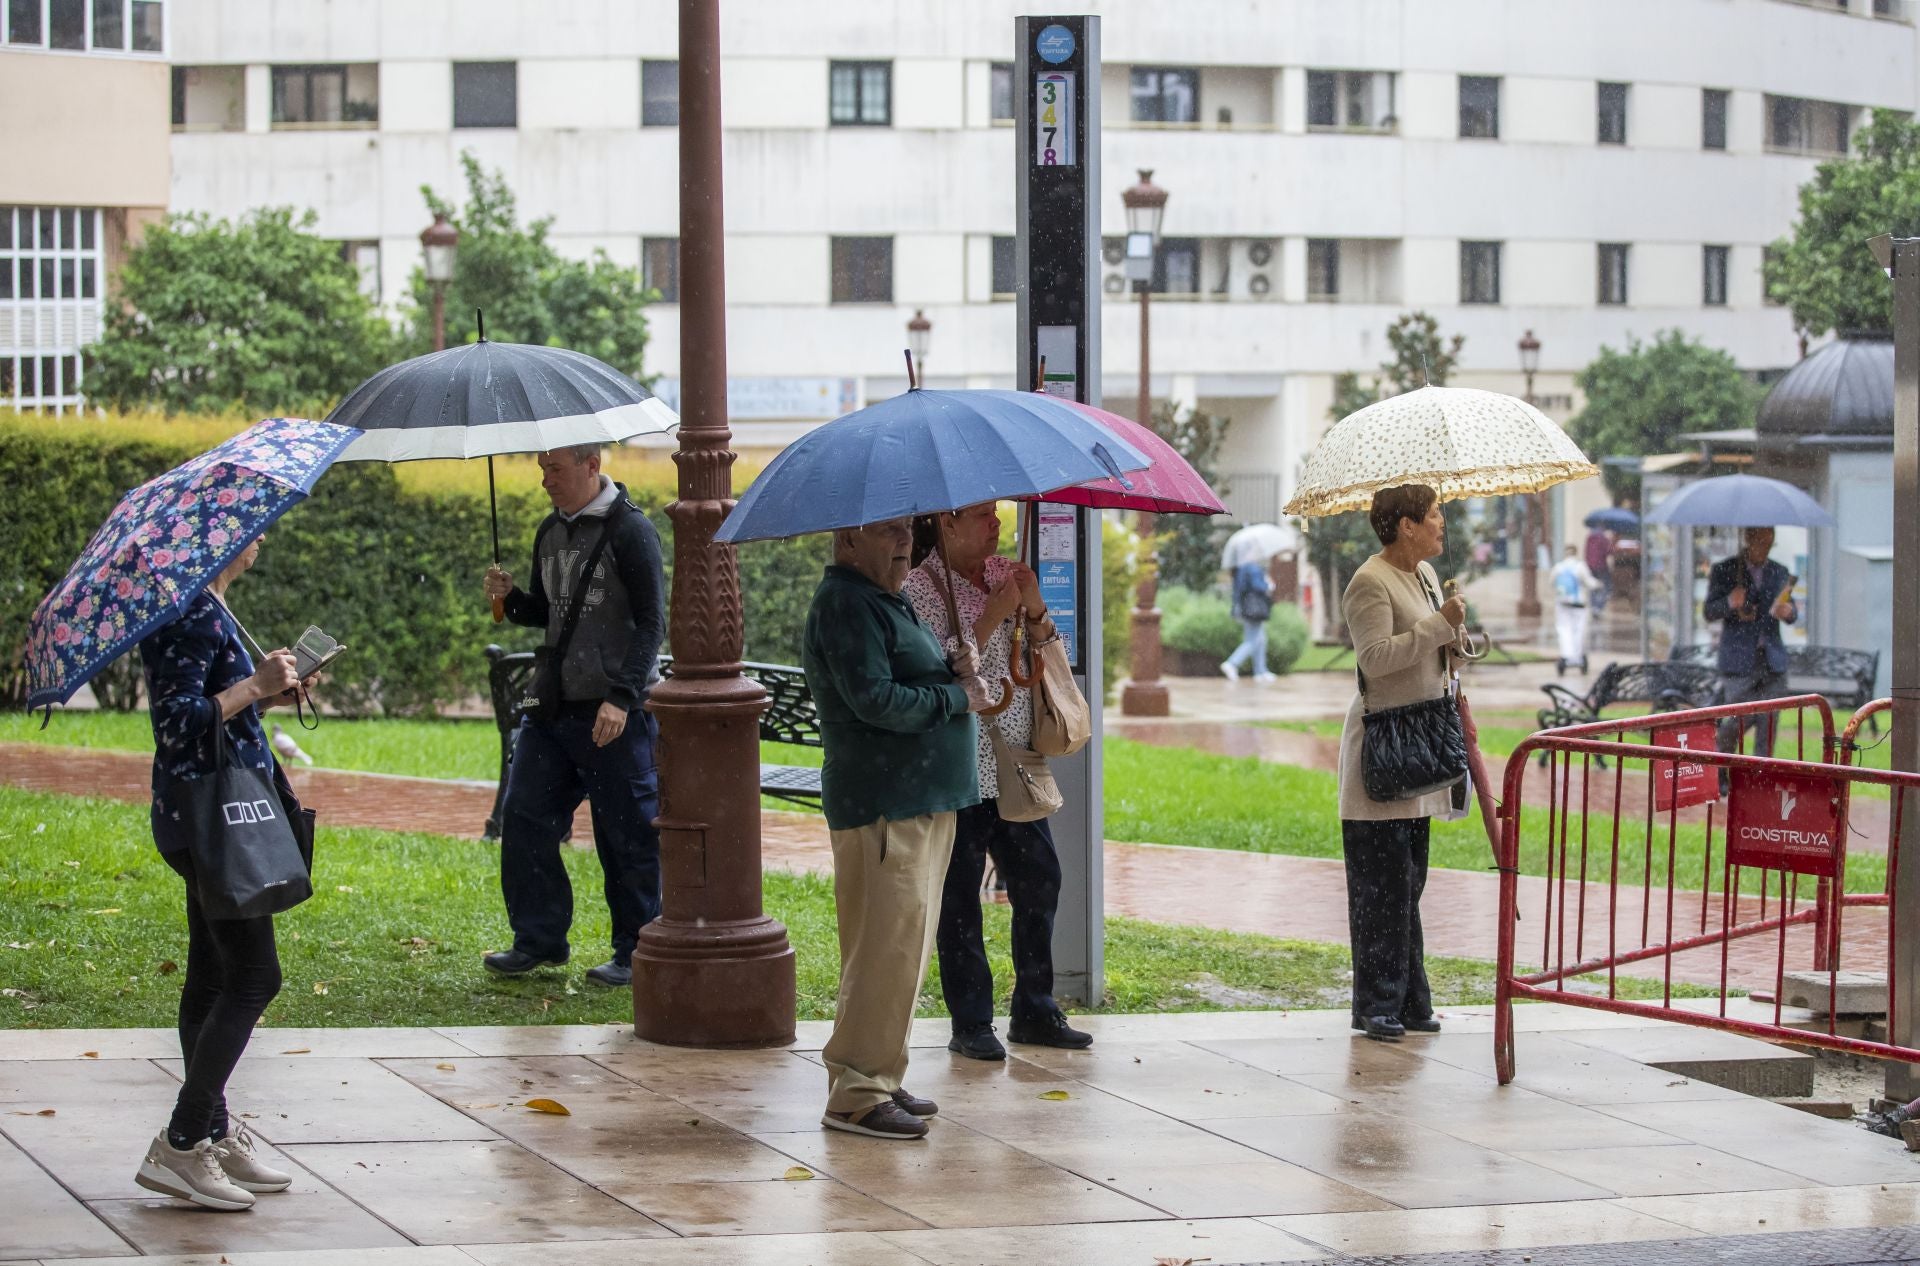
pixel 1645 794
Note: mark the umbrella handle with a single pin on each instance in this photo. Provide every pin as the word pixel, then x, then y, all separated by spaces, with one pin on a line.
pixel 499 610
pixel 1021 643
pixel 1006 700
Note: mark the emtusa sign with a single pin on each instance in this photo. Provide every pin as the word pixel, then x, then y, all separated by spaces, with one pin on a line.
pixel 1787 821
pixel 1682 784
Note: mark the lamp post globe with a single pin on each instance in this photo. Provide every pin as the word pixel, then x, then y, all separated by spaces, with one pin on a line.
pixel 1144 694
pixel 1533 534
pixel 919 341
pixel 439 243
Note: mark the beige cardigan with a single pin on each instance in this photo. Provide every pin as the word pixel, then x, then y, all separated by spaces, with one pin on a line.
pixel 1397 640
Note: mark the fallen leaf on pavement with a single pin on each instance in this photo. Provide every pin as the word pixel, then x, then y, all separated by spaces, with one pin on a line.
pixel 445 1068
pixel 552 1107
pixel 89 1054
pixel 44 1112
pixel 797 1173
pixel 299 1050
pixel 1055 1095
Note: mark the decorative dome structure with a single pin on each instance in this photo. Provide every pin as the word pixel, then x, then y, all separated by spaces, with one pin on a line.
pixel 1842 393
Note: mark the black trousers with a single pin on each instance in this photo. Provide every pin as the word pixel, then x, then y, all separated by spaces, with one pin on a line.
pixel 1023 854
pixel 233 972
pixel 1386 873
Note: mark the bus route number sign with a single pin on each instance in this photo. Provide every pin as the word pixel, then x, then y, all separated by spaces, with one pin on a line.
pixel 1053 121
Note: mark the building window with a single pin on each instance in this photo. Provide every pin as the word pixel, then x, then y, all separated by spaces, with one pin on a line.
pixel 1176 269
pixel 1000 92
pixel 67 24
pixel 1806 127
pixel 486 94
pixel 365 258
pixel 325 96
pixel 1163 95
pixel 149 31
pixel 1713 118
pixel 109 24
pixel 51 279
pixel 1323 270
pixel 1612 288
pixel 1479 272
pixel 863 270
pixel 1713 276
pixel 1480 106
pixel 23 22
pixel 1351 100
pixel 660 267
pixel 659 94
pixel 1005 282
pixel 1612 115
pixel 860 94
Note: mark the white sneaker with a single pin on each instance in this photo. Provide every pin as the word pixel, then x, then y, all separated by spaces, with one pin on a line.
pixel 193 1174
pixel 243 1166
pixel 1228 671
pixel 1266 676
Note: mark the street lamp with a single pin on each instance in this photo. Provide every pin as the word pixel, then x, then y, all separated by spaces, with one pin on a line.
pixel 1144 695
pixel 440 241
pixel 1532 511
pixel 919 339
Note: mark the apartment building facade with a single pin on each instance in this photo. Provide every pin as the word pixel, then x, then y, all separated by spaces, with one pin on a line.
pixel 1587 170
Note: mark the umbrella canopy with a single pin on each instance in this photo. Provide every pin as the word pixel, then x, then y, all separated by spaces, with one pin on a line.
pixel 924 452
pixel 1256 543
pixel 485 398
pixel 1168 486
pixel 1740 501
pixel 164 542
pixel 1614 519
pixel 1459 441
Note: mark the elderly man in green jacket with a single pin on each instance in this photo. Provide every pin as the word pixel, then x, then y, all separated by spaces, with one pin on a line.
pixel 896 722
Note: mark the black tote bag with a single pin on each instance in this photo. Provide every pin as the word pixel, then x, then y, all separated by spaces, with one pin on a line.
pixel 250 840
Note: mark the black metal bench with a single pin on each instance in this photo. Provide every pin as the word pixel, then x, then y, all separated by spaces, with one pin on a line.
pixel 1845 677
pixel 789 718
pixel 1663 685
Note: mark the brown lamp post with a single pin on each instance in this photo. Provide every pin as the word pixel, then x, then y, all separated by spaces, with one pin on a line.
pixel 1532 512
pixel 919 339
pixel 713 969
pixel 1144 694
pixel 439 242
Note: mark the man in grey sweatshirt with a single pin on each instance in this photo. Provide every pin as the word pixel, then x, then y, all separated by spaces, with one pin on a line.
pixel 600 746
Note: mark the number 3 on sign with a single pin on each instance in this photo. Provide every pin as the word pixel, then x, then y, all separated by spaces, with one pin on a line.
pixel 1053 122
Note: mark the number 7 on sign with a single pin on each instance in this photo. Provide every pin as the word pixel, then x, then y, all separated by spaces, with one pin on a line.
pixel 1053 122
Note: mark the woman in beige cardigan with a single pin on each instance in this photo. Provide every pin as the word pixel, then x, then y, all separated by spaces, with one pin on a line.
pixel 1401 634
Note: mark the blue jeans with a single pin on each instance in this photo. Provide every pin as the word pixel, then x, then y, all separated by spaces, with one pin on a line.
pixel 1253 646
pixel 555 765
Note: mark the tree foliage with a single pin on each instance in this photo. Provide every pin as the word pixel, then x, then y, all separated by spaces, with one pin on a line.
pixel 258 316
pixel 1641 400
pixel 1338 544
pixel 1824 272
pixel 527 291
pixel 1189 544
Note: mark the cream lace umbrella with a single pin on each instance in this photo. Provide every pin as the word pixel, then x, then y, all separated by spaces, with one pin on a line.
pixel 1459 441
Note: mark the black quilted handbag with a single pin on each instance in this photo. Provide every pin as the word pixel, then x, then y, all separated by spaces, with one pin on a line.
pixel 1413 750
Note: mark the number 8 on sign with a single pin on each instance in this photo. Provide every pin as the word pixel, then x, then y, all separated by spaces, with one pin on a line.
pixel 1053 122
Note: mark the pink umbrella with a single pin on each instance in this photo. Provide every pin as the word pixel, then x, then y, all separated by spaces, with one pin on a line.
pixel 1168 486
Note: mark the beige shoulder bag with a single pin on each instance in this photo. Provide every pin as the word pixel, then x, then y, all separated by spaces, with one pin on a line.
pixel 1027 789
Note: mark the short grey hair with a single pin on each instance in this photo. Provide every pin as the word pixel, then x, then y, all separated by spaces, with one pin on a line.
pixel 582 453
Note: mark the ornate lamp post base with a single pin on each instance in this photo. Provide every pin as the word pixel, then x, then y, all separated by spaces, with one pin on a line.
pixel 1144 694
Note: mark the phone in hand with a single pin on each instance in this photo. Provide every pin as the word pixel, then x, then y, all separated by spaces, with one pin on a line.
pixel 314 651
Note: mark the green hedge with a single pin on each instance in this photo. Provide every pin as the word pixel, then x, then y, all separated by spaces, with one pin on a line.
pixel 391 569
pixel 1203 623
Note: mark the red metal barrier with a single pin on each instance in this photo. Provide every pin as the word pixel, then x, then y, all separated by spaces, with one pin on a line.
pixel 1645 794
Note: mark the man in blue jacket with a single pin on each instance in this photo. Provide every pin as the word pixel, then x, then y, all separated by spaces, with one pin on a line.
pixel 1752 596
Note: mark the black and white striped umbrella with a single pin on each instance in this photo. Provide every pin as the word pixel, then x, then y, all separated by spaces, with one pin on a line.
pixel 485 398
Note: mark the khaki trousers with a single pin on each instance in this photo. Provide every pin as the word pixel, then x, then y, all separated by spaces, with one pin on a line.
pixel 887 878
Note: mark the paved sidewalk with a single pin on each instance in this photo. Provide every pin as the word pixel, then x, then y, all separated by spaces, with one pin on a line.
pixel 1225 1138
pixel 1297 897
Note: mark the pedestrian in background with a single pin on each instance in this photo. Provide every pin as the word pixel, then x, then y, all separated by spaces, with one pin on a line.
pixel 1752 596
pixel 1253 607
pixel 1574 586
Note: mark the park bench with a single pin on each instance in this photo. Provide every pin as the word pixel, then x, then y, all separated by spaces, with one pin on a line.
pixel 1663 685
pixel 789 718
pixel 1845 677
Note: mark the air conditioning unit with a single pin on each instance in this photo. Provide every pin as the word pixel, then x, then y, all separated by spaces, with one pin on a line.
pixel 1254 271
pixel 1113 268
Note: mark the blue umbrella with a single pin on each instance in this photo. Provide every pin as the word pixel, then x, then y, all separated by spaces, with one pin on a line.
pixel 923 452
pixel 164 542
pixel 1614 519
pixel 1740 501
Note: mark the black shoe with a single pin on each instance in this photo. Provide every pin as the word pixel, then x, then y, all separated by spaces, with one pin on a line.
pixel 915 1106
pixel 1428 1025
pixel 1051 1029
pixel 515 962
pixel 613 973
pixel 979 1044
pixel 1381 1028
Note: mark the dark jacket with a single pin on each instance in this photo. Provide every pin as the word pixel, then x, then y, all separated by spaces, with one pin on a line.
pixel 898 737
pixel 616 645
pixel 1252 593
pixel 1748 645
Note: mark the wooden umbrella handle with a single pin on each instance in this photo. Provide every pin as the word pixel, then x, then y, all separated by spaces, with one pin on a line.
pixel 1006 700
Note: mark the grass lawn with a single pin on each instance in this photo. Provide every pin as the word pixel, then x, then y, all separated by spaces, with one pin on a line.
pixel 396 927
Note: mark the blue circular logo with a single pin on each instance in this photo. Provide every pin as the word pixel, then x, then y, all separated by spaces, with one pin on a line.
pixel 1055 44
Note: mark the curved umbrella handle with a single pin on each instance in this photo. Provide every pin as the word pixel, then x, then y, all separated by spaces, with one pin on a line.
pixel 1021 642
pixel 1006 700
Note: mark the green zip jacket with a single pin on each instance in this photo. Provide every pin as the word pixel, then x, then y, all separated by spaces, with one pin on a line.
pixel 898 737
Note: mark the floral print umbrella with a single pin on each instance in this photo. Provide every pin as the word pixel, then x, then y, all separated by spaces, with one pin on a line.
pixel 164 542
pixel 1459 441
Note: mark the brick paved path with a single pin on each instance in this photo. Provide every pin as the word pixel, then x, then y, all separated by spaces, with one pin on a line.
pixel 1298 897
